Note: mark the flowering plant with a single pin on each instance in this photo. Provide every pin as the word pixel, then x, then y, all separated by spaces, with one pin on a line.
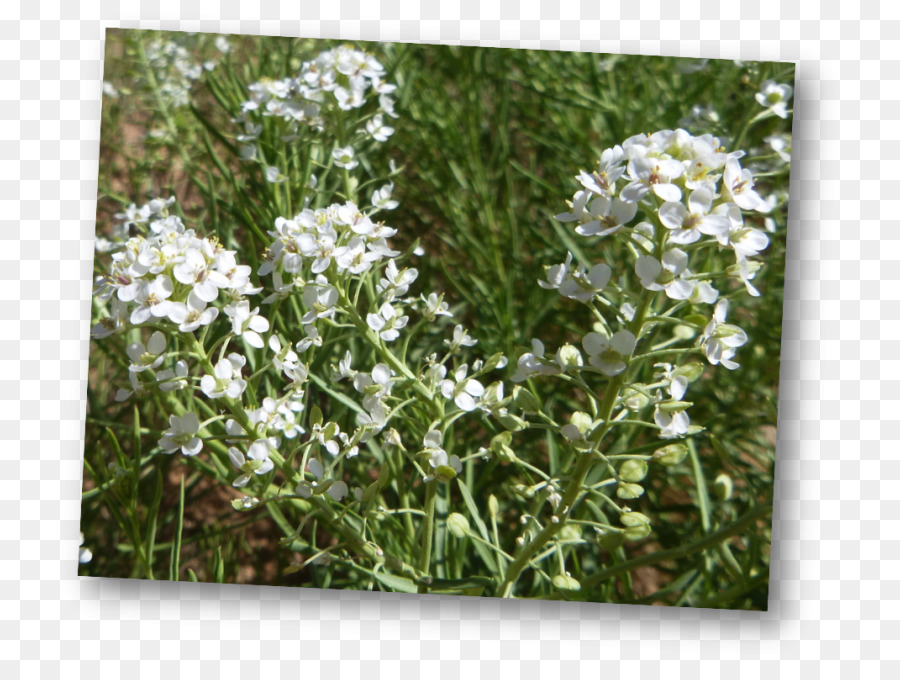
pixel 298 355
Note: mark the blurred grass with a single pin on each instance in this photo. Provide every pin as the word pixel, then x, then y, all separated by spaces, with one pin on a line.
pixel 489 142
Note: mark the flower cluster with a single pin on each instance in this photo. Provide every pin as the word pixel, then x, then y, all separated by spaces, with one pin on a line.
pixel 672 197
pixel 174 68
pixel 171 273
pixel 342 78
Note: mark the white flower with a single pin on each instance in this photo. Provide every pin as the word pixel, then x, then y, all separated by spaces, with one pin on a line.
pixel 258 463
pixel 577 205
pixel 193 314
pixel 354 257
pixel 557 273
pixel 464 391
pixel 227 381
pixel 533 363
pixel 84 554
pixel 688 223
pixel 345 157
pixel 460 339
pixel 112 324
pixel 738 187
pixel 653 174
pixel 583 286
pixel 609 170
pixel 312 339
pixel 222 44
pixel 435 306
pixel 152 298
pixel 173 379
pixel 747 242
pixel 433 445
pixel 344 369
pixel 609 216
pixel 775 96
pixel 396 282
pixel 379 131
pixel 387 323
pixel 149 357
pixel 320 299
pixel 666 275
pixel 247 323
pixel 194 271
pixel 678 383
pixel 282 289
pixel 720 340
pixel 672 425
pixel 274 175
pixel 182 434
pixel 608 354
pixel 337 489
pixel 375 387
pixel 381 198
pixel 286 360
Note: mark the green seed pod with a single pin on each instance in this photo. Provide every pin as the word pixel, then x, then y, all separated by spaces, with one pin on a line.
pixel 628 491
pixel 566 583
pixel 457 525
pixel 634 519
pixel 610 540
pixel 670 455
pixel 636 533
pixel 493 506
pixel 444 473
pixel 500 447
pixel 633 470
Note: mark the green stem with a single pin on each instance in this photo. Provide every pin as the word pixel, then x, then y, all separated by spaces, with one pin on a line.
pixel 428 537
pixel 582 467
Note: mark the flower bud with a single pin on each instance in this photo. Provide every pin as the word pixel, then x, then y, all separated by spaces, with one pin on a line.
pixel 525 400
pixel 633 470
pixel 670 455
pixel 683 332
pixel 674 406
pixel 723 487
pixel 634 400
pixel 495 361
pixel 582 421
pixel 568 356
pixel 511 422
pixel 690 371
pixel 457 525
pixel 493 506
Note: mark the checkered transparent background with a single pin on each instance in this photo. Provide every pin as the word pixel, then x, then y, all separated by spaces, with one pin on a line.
pixel 834 584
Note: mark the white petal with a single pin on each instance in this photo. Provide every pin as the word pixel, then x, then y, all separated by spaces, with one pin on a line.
pixel 315 467
pixel 338 491
pixel 465 401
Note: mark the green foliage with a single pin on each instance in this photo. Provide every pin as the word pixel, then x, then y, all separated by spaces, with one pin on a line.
pixel 486 148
